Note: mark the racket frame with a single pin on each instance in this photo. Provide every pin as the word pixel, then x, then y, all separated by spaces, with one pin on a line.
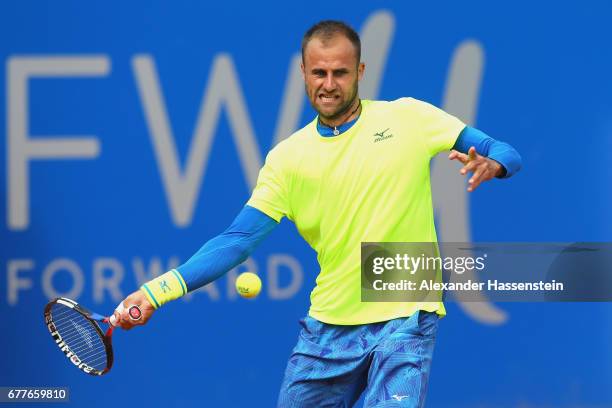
pixel 93 318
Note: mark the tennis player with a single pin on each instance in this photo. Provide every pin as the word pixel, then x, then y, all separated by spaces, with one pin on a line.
pixel 358 172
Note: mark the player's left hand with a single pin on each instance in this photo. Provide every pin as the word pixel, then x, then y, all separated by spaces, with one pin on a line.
pixel 481 167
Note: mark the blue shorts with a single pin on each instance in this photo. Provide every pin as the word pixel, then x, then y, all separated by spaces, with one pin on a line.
pixel 332 365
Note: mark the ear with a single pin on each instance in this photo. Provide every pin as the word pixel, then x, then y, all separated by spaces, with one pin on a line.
pixel 360 70
pixel 303 71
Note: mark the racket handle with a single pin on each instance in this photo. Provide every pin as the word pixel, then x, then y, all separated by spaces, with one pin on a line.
pixel 133 311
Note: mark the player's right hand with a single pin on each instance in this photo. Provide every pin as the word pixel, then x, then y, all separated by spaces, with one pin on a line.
pixel 139 299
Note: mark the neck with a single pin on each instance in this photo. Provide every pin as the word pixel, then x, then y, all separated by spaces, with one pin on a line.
pixel 352 112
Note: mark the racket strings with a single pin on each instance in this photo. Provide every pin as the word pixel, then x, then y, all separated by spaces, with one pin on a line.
pixel 78 340
pixel 75 326
pixel 70 332
pixel 80 335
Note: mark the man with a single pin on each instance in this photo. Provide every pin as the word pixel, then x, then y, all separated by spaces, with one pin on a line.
pixel 358 172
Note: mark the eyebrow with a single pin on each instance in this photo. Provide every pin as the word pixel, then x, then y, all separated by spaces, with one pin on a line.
pixel 335 71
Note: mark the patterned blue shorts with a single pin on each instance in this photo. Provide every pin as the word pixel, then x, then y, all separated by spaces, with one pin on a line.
pixel 332 365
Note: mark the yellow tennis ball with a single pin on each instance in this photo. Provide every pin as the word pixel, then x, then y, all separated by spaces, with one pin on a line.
pixel 248 285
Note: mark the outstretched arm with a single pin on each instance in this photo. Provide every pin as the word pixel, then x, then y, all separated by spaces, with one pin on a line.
pixel 215 258
pixel 484 157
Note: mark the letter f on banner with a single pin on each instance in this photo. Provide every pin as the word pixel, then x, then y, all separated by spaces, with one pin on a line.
pixel 21 148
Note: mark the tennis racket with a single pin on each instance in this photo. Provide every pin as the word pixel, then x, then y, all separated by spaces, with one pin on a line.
pixel 78 334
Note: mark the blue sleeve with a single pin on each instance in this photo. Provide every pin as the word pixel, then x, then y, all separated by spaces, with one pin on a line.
pixel 227 250
pixel 485 145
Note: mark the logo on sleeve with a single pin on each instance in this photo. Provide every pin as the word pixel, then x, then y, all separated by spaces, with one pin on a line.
pixel 163 285
pixel 378 136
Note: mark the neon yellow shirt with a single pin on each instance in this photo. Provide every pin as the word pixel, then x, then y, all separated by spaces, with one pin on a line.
pixel 369 184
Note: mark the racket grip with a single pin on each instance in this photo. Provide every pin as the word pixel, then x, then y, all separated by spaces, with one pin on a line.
pixel 133 311
pixel 119 309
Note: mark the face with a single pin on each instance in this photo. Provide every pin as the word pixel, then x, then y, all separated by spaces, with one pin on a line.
pixel 331 74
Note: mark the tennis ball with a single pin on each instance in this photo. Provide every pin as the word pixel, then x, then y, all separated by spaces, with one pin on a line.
pixel 248 285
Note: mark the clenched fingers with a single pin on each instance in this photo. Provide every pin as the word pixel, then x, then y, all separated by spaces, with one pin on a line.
pixel 122 314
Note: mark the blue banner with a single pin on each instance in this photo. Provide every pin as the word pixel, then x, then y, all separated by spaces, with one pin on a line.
pixel 133 132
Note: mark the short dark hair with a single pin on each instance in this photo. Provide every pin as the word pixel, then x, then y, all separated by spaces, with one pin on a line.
pixel 327 29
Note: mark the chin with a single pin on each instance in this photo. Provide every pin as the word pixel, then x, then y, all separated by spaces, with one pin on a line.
pixel 327 113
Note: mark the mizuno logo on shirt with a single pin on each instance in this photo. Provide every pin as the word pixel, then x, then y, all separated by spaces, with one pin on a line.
pixel 381 135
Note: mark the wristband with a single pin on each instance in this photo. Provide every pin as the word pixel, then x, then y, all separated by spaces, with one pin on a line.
pixel 164 288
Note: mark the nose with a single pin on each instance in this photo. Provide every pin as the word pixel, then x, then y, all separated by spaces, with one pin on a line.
pixel 329 84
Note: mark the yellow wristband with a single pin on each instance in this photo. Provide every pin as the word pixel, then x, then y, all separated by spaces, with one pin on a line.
pixel 164 288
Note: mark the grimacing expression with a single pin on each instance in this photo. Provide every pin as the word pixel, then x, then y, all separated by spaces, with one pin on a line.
pixel 331 75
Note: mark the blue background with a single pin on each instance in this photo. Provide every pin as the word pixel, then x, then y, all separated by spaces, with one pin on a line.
pixel 546 89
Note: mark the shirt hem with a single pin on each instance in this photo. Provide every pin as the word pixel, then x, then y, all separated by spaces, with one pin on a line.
pixel 409 311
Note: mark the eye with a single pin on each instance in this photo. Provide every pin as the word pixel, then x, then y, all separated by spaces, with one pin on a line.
pixel 340 73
